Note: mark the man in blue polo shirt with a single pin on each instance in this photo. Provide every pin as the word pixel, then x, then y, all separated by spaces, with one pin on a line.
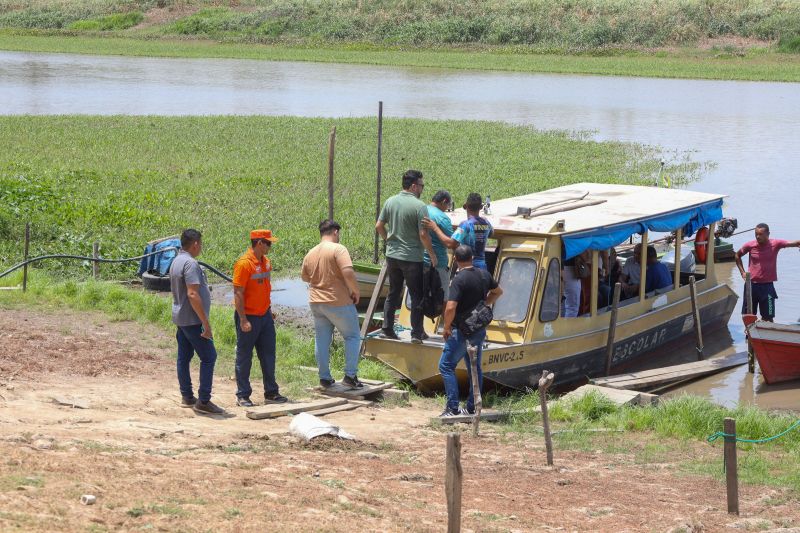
pixel 658 275
pixel 475 231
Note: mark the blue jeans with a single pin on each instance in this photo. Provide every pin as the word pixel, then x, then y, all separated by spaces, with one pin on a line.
pixel 455 349
pixel 479 263
pixel 345 319
pixel 262 338
pixel 189 342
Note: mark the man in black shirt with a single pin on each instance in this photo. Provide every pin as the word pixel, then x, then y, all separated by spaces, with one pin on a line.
pixel 468 288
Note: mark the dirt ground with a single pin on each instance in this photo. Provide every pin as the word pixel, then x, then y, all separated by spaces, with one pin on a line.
pixel 154 465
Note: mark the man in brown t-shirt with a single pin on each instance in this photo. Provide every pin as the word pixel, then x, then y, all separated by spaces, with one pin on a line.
pixel 332 296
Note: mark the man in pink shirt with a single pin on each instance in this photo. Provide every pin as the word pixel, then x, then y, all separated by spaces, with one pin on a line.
pixel 763 267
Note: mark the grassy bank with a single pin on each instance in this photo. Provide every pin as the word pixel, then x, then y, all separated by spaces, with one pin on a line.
pixel 674 431
pixel 725 63
pixel 125 180
pixel 574 25
pixel 122 303
pixel 724 39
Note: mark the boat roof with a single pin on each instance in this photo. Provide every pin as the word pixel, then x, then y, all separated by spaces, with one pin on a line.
pixel 587 206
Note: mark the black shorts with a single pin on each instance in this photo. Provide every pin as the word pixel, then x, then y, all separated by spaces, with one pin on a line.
pixel 764 297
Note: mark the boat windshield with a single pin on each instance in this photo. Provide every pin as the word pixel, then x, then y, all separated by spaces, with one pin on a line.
pixel 517 275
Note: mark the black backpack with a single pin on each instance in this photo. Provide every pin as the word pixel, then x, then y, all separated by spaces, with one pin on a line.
pixel 432 294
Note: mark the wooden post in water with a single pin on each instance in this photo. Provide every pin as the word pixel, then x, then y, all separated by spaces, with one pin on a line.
pixel 698 331
pixel 331 154
pixel 25 256
pixel 731 472
pixel 748 302
pixel 95 264
pixel 612 327
pixel 472 353
pixel 378 189
pixel 452 483
pixel 544 383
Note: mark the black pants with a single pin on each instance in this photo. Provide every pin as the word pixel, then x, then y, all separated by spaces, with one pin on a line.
pixel 410 272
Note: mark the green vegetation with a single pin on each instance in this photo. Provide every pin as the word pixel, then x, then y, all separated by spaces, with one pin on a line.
pixel 716 63
pixel 574 25
pixel 118 21
pixel 594 422
pixel 712 39
pixel 790 45
pixel 123 181
pixel 121 303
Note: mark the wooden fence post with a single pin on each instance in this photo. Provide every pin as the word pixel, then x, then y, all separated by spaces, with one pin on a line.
pixel 25 256
pixel 452 483
pixel 612 327
pixel 95 264
pixel 331 154
pixel 731 472
pixel 378 189
pixel 544 383
pixel 698 331
pixel 748 302
pixel 472 352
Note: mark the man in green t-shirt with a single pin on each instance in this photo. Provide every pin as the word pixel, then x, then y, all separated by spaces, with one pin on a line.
pixel 400 224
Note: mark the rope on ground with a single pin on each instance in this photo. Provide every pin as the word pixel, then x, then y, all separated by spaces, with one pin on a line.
pixel 719 434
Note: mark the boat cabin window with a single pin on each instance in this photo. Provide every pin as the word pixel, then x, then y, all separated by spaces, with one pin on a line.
pixel 517 275
pixel 551 296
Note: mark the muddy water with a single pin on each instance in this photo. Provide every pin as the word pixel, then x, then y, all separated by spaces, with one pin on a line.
pixel 749 130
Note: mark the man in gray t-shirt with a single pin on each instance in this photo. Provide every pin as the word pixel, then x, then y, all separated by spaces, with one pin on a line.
pixel 400 224
pixel 191 306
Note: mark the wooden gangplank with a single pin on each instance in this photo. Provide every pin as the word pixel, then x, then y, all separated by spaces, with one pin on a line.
pixel 339 390
pixel 651 378
pixel 283 409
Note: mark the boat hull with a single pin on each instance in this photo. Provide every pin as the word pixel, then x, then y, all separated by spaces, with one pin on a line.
pixel 651 342
pixel 777 349
pixel 571 359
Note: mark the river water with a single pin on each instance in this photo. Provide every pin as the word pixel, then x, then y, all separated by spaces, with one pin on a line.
pixel 748 130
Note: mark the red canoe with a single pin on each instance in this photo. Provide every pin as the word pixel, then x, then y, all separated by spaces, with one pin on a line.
pixel 777 348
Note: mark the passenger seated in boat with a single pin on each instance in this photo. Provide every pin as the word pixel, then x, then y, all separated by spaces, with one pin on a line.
pixel 630 276
pixel 659 278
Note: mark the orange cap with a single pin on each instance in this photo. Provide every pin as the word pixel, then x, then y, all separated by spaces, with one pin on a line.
pixel 263 234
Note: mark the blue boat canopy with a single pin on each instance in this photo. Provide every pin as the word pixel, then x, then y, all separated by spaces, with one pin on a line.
pixel 598 216
pixel 603 238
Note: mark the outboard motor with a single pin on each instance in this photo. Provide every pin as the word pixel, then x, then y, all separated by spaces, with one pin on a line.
pixel 726 227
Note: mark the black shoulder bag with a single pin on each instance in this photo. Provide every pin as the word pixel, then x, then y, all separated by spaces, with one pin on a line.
pixel 478 318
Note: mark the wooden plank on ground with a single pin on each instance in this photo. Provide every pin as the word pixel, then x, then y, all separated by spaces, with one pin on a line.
pixel 651 378
pixel 488 415
pixel 342 391
pixel 276 410
pixel 395 394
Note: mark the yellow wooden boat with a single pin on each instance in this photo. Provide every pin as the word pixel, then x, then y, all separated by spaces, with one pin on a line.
pixel 532 235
